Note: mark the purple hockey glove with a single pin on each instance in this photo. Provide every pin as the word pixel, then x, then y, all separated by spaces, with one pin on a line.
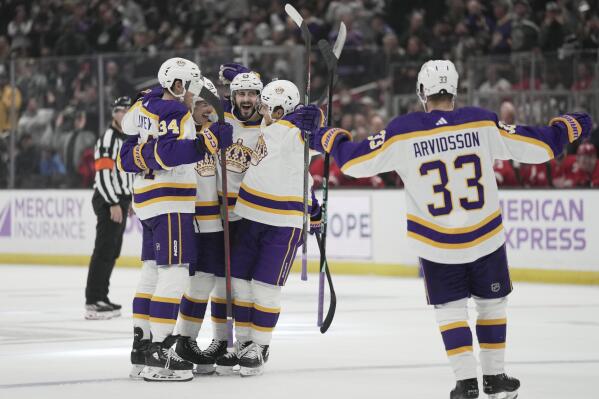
pixel 307 118
pixel 223 133
pixel 576 124
pixel 227 72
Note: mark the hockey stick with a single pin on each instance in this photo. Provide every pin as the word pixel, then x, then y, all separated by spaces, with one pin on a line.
pixel 333 304
pixel 331 57
pixel 215 102
pixel 299 21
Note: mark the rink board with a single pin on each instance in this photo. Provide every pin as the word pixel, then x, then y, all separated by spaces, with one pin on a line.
pixel 550 234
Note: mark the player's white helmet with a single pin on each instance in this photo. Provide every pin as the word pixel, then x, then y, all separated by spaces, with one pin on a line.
pixel 207 83
pixel 280 93
pixel 178 68
pixel 246 81
pixel 437 77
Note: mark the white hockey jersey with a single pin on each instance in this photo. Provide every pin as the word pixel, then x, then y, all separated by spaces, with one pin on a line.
pixel 172 190
pixel 272 188
pixel 239 157
pixel 207 213
pixel 446 162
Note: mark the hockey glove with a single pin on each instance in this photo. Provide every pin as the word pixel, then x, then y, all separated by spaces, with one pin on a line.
pixel 223 132
pixel 575 124
pixel 315 216
pixel 323 139
pixel 308 118
pixel 227 72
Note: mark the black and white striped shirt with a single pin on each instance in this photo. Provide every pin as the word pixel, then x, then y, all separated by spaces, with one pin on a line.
pixel 112 184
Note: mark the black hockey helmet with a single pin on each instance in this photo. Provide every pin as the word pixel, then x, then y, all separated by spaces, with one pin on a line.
pixel 121 102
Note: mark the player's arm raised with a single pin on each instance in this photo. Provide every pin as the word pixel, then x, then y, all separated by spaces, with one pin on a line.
pixel 538 144
pixel 380 152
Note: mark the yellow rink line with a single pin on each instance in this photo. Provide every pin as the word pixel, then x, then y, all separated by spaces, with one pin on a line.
pixel 337 267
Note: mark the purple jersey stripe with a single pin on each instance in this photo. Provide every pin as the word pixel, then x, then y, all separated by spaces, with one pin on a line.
pixel 192 309
pixel 242 314
pixel 230 200
pixel 491 334
pixel 218 310
pixel 446 238
pixel 165 192
pixel 269 203
pixel 207 210
pixel 457 338
pixel 164 310
pixel 265 319
pixel 141 305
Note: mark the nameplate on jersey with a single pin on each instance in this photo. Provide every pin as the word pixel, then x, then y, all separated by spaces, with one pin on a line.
pixel 436 145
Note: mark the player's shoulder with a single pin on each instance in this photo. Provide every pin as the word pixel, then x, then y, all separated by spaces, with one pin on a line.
pixel 164 109
pixel 426 121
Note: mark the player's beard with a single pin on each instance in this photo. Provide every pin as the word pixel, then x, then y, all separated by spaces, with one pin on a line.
pixel 246 109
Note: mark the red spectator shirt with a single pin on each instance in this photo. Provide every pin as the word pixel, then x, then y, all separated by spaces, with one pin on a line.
pixel 505 174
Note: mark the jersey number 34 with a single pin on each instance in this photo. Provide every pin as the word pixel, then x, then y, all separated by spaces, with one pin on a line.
pixel 441 188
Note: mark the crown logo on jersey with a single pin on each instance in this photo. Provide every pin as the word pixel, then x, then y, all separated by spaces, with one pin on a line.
pixel 260 152
pixel 206 167
pixel 238 157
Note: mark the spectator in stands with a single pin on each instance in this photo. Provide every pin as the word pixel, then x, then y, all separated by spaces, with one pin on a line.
pixel 478 24
pixel 494 83
pixel 106 31
pixel 584 77
pixel 553 31
pixel 590 35
pixel 19 29
pixel 71 42
pixel 582 169
pixel 4 49
pixel 502 35
pixel 27 163
pixel 36 122
pixel 6 102
pixel 115 84
pixel 525 33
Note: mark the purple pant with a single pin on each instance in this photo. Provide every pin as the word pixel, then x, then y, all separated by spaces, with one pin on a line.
pixel 263 252
pixel 487 277
pixel 169 239
pixel 211 251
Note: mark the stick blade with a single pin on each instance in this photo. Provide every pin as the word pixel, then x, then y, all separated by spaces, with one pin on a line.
pixel 340 41
pixel 294 14
pixel 213 100
pixel 327 53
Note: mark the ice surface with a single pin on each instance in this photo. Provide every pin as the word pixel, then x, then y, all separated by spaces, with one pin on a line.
pixel 384 342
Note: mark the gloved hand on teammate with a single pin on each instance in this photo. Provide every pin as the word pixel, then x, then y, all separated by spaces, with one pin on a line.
pixel 576 124
pixel 308 118
pixel 315 216
pixel 323 139
pixel 223 132
pixel 227 72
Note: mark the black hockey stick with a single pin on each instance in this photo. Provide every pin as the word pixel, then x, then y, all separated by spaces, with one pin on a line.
pixel 299 21
pixel 213 100
pixel 333 303
pixel 331 57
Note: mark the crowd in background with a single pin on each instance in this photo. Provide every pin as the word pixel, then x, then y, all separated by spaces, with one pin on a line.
pixel 56 44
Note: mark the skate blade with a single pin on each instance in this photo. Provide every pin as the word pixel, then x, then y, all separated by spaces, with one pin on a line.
pixel 153 374
pixel 504 395
pixel 204 369
pixel 250 372
pixel 116 313
pixel 136 372
pixel 226 370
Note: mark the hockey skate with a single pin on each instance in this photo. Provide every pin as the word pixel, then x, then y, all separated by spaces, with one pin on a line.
pixel 225 364
pixel 116 308
pixel 465 389
pixel 500 386
pixel 138 353
pixel 252 361
pixel 99 310
pixel 187 348
pixel 214 351
pixel 163 363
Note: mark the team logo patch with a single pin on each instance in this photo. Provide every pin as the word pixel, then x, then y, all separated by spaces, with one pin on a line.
pixel 279 90
pixel 511 129
pixel 495 287
pixel 180 63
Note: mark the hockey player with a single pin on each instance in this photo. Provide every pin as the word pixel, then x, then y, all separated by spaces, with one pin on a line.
pixel 241 112
pixel 445 157
pixel 210 253
pixel 164 199
pixel 270 203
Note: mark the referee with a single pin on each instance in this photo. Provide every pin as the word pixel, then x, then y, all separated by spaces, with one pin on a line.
pixel 111 201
